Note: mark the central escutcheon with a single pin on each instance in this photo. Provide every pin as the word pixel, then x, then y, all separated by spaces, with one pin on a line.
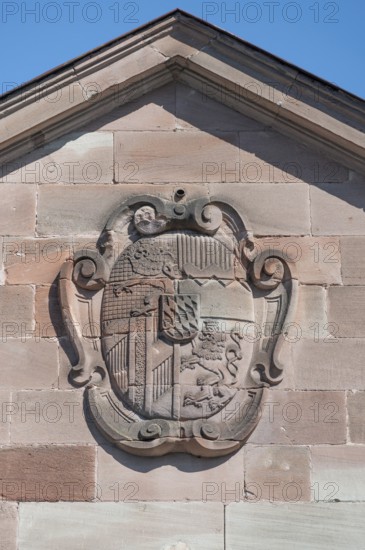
pixel 174 320
pixel 184 322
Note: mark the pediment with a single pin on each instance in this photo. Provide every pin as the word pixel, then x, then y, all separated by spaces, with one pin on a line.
pixel 288 106
pixel 175 133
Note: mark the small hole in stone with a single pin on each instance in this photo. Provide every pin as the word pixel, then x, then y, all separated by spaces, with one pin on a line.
pixel 179 194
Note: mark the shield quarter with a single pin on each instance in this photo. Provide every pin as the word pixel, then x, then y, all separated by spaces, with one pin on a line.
pixel 179 316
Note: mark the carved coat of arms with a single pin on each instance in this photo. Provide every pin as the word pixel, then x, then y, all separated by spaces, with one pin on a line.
pixel 177 322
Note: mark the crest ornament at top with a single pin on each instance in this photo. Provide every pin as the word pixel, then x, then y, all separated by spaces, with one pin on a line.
pixel 177 322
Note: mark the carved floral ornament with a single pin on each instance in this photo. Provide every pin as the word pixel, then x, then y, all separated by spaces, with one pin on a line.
pixel 185 325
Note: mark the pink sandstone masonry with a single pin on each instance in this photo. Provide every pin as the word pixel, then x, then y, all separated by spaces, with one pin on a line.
pixel 281 181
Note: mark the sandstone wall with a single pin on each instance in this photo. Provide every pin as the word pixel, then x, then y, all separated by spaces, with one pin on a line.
pixel 301 476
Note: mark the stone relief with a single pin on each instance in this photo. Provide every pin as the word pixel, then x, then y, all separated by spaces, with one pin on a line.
pixel 185 324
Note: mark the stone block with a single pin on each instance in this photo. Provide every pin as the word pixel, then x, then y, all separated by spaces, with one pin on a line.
pixel 277 473
pixel 17 209
pixel 175 156
pixel 338 209
pixel 180 41
pixel 176 477
pixel 48 314
pixel 8 526
pixel 112 77
pixel 346 305
pixel 50 473
pixel 53 417
pixel 324 110
pixel 49 101
pixel 356 415
pixel 38 261
pixel 311 315
pixel 200 108
pixel 301 418
pixel 60 205
pixel 268 209
pixel 317 259
pixel 169 526
pixel 28 364
pixel 74 158
pixel 153 111
pixel 5 404
pixel 301 526
pixel 237 76
pixel 16 309
pixel 353 260
pixel 270 157
pixel 329 364
pixel 338 472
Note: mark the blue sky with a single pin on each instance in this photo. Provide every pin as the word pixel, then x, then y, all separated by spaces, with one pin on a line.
pixel 325 38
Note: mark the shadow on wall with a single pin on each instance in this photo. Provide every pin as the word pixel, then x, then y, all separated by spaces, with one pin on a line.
pixel 207 142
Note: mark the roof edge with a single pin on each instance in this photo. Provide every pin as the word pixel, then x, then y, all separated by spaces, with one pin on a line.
pixel 179 14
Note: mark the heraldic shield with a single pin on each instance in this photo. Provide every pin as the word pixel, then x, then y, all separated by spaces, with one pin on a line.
pixel 178 321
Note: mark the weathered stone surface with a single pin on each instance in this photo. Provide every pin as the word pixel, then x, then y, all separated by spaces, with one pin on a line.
pixel 346 307
pixel 17 209
pixel 48 473
pixel 114 75
pixel 269 209
pixel 74 158
pixel 337 209
pixel 311 313
pixel 52 417
pixel 277 473
pixel 300 526
pixel 60 205
pixel 29 363
pixel 317 259
pixel 8 526
pixel 356 415
pixel 174 156
pixel 323 110
pixel 301 418
pixel 182 42
pixel 353 260
pixel 48 315
pixel 338 472
pixel 200 109
pixel 153 111
pixel 270 157
pixel 29 261
pixel 177 477
pixel 16 309
pixel 269 90
pixel 38 261
pixel 5 404
pixel 178 526
pixel 48 101
pixel 329 364
pixel 247 83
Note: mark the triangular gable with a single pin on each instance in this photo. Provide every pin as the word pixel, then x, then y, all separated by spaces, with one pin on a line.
pixel 179 47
